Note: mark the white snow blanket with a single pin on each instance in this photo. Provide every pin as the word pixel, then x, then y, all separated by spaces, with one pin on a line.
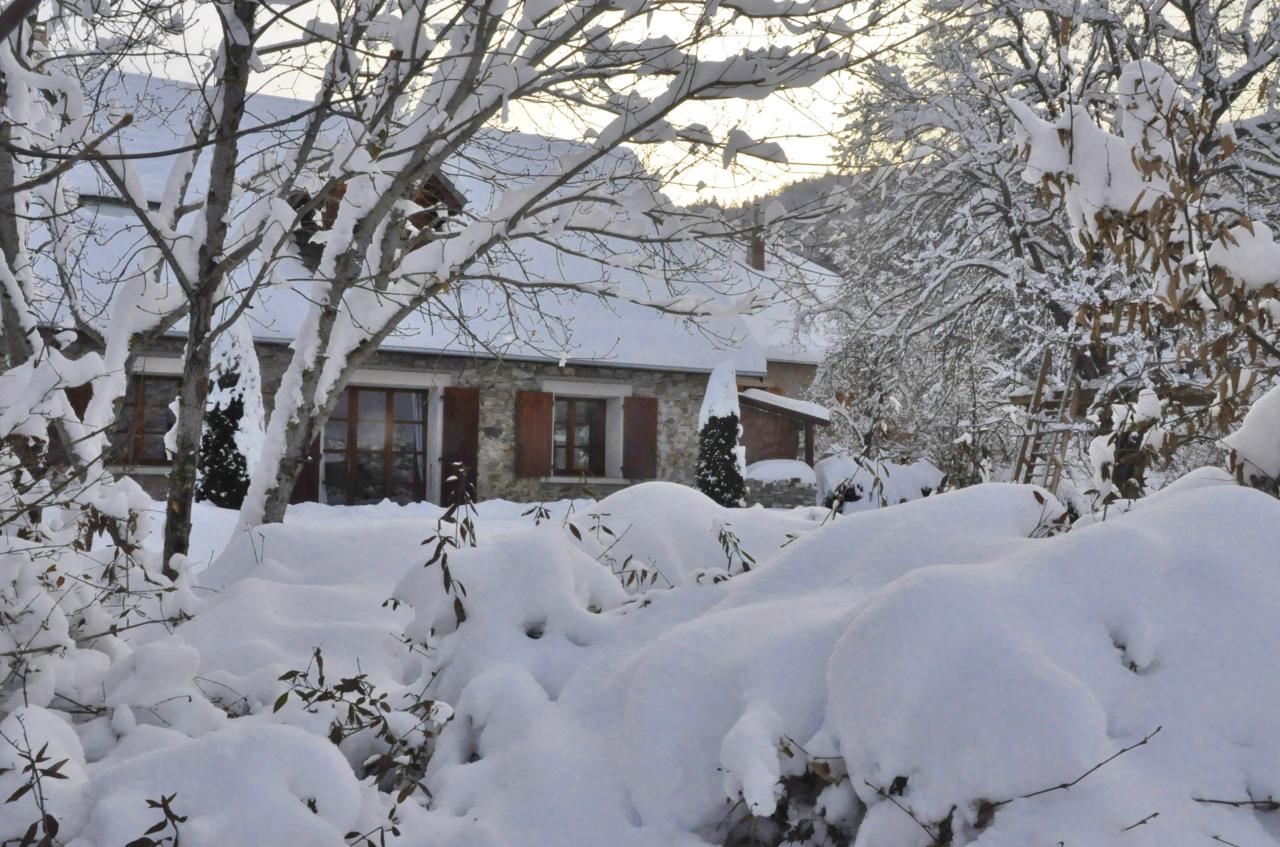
pixel 781 470
pixel 951 650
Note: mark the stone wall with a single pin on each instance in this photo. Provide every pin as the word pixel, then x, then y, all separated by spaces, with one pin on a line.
pixel 781 494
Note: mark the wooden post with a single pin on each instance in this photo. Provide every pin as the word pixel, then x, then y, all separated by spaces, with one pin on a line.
pixel 808 443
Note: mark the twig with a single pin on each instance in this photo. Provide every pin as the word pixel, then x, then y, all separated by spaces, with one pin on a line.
pixel 1267 805
pixel 1064 786
pixel 1148 818
pixel 933 837
pixel 67 164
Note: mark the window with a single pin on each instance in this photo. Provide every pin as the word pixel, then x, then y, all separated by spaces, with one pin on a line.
pixel 375 447
pixel 144 419
pixel 578 425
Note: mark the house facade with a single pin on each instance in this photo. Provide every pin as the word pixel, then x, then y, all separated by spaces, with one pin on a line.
pixel 525 429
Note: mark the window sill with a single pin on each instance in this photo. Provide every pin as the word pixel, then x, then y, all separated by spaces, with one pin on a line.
pixel 140 470
pixel 590 480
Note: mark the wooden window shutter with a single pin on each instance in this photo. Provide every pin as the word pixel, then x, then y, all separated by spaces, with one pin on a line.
pixel 306 485
pixel 460 440
pixel 640 437
pixel 533 433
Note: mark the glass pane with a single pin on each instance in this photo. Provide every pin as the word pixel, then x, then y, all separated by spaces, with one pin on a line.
pixel 371 435
pixel 151 448
pixel 561 434
pixel 158 420
pixel 561 411
pixel 581 459
pixel 408 405
pixel 335 479
pixel 372 405
pixel 587 410
pixel 581 435
pixel 561 455
pixel 408 479
pixel 407 437
pixel 340 408
pixel 335 435
pixel 368 475
pixel 158 393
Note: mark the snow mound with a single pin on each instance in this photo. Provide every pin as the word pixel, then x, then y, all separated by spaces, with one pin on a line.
pixel 1256 443
pixel 881 679
pixel 245 786
pixel 673 532
pixel 945 650
pixel 781 470
pixel 871 484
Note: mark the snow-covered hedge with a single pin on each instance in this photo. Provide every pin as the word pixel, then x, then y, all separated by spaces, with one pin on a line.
pixel 893 677
pixel 862 483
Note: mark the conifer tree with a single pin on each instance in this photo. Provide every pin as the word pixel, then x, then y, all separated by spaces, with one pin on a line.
pixel 720 467
pixel 224 473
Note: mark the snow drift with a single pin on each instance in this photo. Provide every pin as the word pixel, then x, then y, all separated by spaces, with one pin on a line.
pixel 919 674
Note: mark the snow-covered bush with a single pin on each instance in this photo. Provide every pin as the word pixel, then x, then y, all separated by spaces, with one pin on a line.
pixel 722 461
pixel 878 682
pixel 661 535
pixel 849 483
pixel 1255 446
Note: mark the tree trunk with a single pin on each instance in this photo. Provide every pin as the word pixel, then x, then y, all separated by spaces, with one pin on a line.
pixel 192 397
pixel 296 449
pixel 17 346
pixel 203 294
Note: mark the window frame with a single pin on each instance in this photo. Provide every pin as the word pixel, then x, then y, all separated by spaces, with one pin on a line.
pixel 128 445
pixel 351 451
pixel 597 436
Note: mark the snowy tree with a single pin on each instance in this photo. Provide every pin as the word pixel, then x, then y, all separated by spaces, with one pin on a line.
pixel 721 469
pixel 398 91
pixel 1153 191
pixel 960 275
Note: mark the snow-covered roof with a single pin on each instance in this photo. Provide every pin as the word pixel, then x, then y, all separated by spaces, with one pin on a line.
pixel 568 326
pixel 787 405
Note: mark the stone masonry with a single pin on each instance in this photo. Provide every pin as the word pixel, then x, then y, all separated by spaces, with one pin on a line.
pixel 781 494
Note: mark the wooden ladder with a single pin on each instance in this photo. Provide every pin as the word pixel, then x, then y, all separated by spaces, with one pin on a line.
pixel 1043 452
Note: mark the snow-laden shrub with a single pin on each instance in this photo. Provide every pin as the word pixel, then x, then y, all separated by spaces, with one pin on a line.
pixel 1255 446
pixel 908 676
pixel 660 534
pixel 849 483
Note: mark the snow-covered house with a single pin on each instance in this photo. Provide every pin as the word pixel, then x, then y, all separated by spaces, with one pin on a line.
pixel 585 388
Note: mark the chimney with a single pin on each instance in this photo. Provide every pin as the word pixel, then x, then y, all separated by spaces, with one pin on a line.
pixel 755 254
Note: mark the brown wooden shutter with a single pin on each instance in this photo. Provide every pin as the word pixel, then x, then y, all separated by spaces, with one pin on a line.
pixel 533 433
pixel 640 437
pixel 460 440
pixel 306 485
